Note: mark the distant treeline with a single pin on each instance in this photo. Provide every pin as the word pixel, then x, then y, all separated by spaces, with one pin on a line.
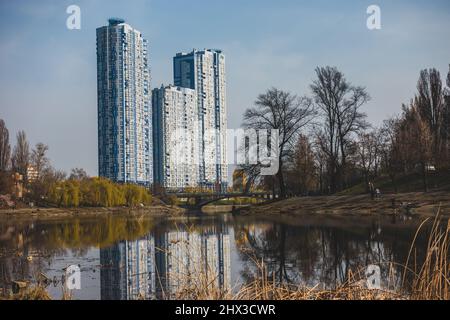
pixel 327 145
pixel 28 175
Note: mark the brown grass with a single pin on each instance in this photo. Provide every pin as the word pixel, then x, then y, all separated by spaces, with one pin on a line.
pixel 32 293
pixel 431 280
pixel 266 288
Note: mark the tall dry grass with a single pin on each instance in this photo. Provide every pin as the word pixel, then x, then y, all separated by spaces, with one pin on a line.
pixel 430 280
pixel 32 293
pixel 264 287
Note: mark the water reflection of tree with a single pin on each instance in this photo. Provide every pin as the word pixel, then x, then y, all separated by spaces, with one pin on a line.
pixel 268 245
pixel 75 233
pixel 312 255
pixel 29 246
pixel 18 259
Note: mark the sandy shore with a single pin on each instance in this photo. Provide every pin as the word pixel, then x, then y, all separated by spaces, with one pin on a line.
pixel 419 204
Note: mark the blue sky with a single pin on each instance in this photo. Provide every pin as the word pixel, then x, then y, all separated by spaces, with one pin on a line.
pixel 48 73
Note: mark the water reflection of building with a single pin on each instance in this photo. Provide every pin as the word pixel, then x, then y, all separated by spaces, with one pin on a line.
pixel 159 265
pixel 127 270
pixel 184 259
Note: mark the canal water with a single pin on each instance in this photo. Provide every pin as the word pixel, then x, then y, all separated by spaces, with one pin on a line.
pixel 129 257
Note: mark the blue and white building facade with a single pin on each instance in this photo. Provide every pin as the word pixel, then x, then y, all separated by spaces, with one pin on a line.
pixel 128 270
pixel 124 109
pixel 165 262
pixel 182 256
pixel 175 137
pixel 204 72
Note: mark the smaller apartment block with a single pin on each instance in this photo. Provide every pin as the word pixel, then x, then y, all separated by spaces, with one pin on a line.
pixel 175 137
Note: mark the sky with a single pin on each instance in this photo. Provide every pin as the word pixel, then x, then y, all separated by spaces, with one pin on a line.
pixel 48 75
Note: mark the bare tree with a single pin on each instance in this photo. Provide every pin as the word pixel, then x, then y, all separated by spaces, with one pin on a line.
pixel 78 174
pixel 415 141
pixel 278 109
pixel 340 104
pixel 423 138
pixel 5 152
pixel 304 174
pixel 321 160
pixel 252 173
pixel 431 107
pixel 39 159
pixel 390 149
pixel 40 188
pixel 367 153
pixel 5 148
pixel 21 154
pixel 446 122
pixel 327 142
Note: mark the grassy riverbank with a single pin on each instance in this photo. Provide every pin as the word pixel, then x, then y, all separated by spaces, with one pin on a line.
pixel 154 210
pixel 415 203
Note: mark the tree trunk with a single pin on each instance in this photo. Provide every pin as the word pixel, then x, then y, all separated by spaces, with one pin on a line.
pixel 281 183
pixel 321 179
pixel 394 183
pixel 332 179
pixel 366 179
pixel 344 164
pixel 273 187
pixel 424 177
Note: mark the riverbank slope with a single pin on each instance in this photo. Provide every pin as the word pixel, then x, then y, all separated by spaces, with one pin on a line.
pixel 414 203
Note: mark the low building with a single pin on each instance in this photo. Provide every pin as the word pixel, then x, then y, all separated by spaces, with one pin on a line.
pixel 17 179
pixel 32 173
